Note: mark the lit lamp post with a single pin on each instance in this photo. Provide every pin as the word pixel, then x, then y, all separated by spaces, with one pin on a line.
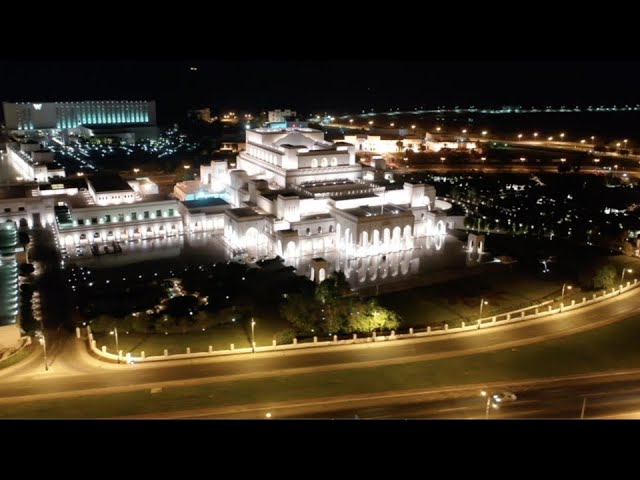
pixel 483 302
pixel 484 133
pixel 43 342
pixel 519 136
pixel 623 271
pixel 115 332
pixel 569 287
pixel 486 411
pixel 253 337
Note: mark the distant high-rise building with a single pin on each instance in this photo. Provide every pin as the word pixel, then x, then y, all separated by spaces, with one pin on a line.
pixel 203 114
pixel 281 115
pixel 26 116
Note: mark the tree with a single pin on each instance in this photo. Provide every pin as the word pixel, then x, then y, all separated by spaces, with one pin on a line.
pixel 23 238
pixel 302 312
pixel 605 277
pixel 469 221
pixel 369 316
pixel 400 145
pixel 104 324
pixel 423 148
pixel 334 307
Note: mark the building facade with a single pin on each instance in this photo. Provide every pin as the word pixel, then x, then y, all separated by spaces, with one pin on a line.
pixel 25 116
pixel 9 287
pixel 280 115
pixel 295 194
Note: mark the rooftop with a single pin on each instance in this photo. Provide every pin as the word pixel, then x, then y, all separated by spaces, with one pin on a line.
pixel 16 191
pixel 243 212
pixel 283 130
pixel 273 194
pixel 204 202
pixel 108 183
pixel 67 182
pixel 376 211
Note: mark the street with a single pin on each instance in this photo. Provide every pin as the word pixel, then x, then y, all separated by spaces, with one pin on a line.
pixel 73 371
pixel 607 396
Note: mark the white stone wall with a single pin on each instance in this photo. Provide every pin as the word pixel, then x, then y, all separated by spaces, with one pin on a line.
pixel 22 210
pixel 137 230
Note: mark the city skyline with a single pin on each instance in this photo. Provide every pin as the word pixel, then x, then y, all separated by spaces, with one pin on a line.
pixel 334 86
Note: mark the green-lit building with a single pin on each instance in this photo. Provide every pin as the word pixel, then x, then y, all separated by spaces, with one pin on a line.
pixel 9 287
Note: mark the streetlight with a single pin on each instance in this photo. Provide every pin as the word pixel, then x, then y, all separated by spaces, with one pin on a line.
pixel 115 332
pixel 136 170
pixel 562 135
pixel 43 342
pixel 535 134
pixel 563 287
pixel 464 130
pixel 623 271
pixel 483 302
pixel 486 412
pixel 519 136
pixel 484 133
pixel 187 167
pixel 253 338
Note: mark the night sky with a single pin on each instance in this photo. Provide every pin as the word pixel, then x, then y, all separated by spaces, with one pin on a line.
pixel 332 86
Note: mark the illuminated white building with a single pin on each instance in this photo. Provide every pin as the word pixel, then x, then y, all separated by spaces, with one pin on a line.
pixel 109 209
pixel 296 194
pixel 19 205
pixel 435 143
pixel 293 156
pixel 278 116
pixel 384 143
pixel 33 162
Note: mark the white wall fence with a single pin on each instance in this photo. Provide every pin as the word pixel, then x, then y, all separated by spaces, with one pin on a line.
pixel 529 313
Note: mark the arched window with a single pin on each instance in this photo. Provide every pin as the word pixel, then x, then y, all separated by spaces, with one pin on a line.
pixel 308 231
pixel 324 162
pixel 319 229
pixel 334 162
pixel 314 163
pixel 330 228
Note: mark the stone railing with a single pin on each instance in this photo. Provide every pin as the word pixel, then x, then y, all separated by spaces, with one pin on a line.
pixel 529 313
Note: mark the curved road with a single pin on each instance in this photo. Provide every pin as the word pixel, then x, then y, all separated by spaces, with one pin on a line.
pixel 73 370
